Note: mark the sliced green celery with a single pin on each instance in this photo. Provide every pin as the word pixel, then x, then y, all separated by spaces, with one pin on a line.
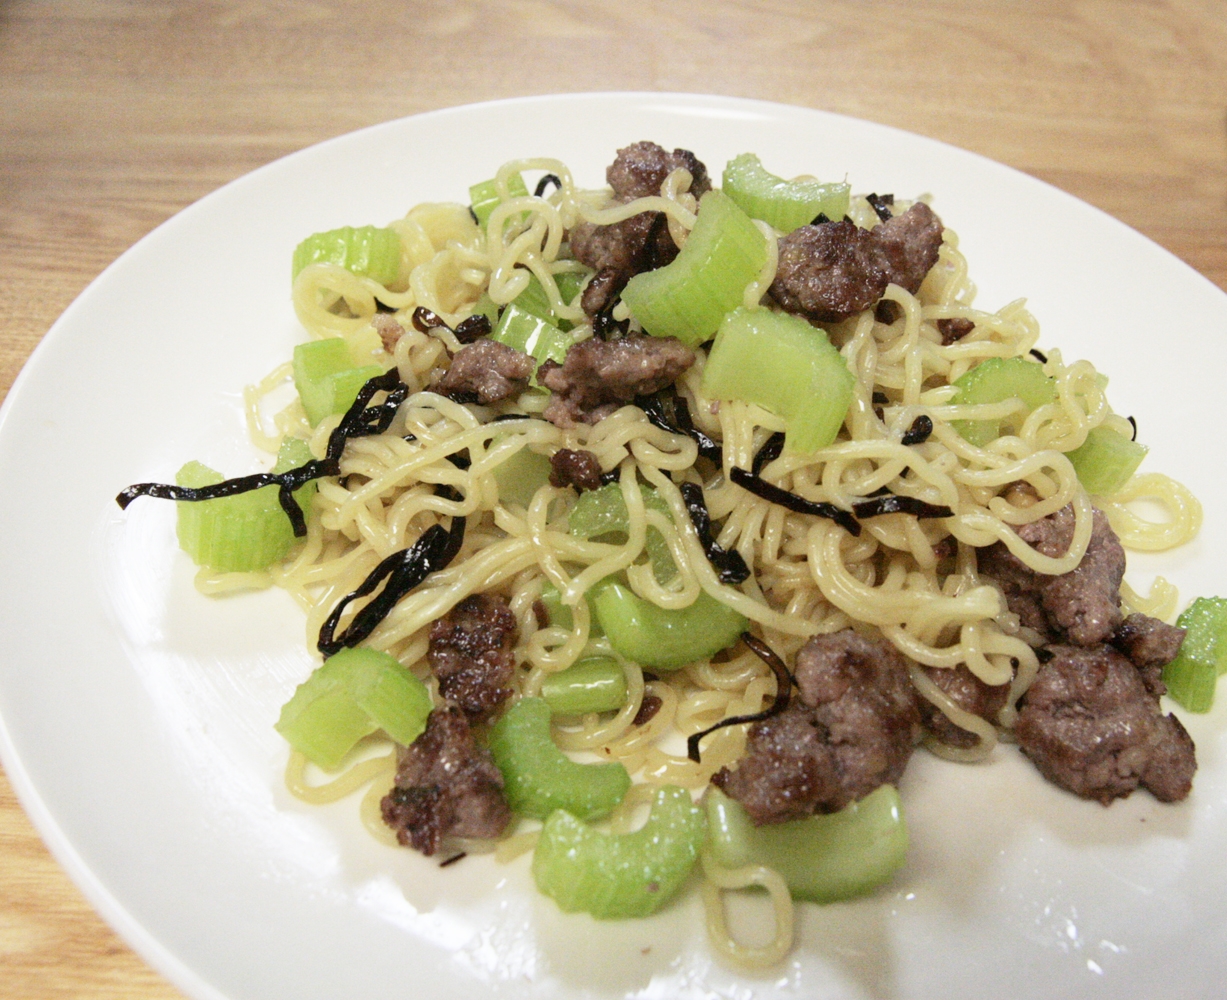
pixel 534 300
pixel 539 778
pixel 601 513
pixel 485 197
pixel 351 695
pixel 786 205
pixel 521 476
pixel 326 377
pixel 1192 676
pixel 688 298
pixel 1105 460
pixel 597 684
pixel 531 334
pixel 994 381
pixel 244 532
pixel 662 638
pixel 620 875
pixel 822 858
pixel 367 251
pixel 786 365
pixel 560 614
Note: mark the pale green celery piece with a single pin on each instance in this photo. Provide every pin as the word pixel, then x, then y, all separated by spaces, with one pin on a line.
pixel 602 512
pixel 994 381
pixel 560 614
pixel 688 298
pixel 247 531
pixel 326 377
pixel 535 336
pixel 620 875
pixel 534 300
pixel 823 859
pixel 368 251
pixel 484 197
pixel 1106 460
pixel 521 476
pixel 539 778
pixel 661 638
pixel 786 205
pixel 351 695
pixel 785 365
pixel 1192 676
pixel 596 684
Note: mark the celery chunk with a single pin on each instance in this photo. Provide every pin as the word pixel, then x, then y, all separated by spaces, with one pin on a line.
pixel 598 514
pixel 539 778
pixel 688 298
pixel 620 875
pixel 528 332
pixel 326 377
pixel 354 693
pixel 521 476
pixel 368 251
pixel 1105 460
pixel 787 366
pixel 534 300
pixel 485 197
pixel 994 381
pixel 662 638
pixel 244 532
pixel 597 684
pixel 1192 676
pixel 786 205
pixel 822 858
pixel 560 614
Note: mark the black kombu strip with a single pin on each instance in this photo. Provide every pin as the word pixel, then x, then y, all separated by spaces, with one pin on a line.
pixel 360 420
pixel 729 564
pixel 892 503
pixel 772 448
pixel 797 504
pixel 920 430
pixel 468 330
pixel 680 422
pixel 545 182
pixel 783 694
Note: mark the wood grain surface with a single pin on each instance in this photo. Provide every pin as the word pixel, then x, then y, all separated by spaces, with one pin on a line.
pixel 115 115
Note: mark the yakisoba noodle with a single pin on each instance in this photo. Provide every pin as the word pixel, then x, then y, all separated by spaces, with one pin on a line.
pixel 809 575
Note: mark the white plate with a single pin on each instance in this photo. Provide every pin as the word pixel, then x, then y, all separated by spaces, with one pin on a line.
pixel 137 714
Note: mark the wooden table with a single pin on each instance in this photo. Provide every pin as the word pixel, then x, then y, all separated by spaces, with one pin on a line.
pixel 115 115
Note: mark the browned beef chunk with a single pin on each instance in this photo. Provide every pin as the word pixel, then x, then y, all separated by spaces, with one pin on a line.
pixel 389 330
pixel 598 376
pixel 1091 726
pixel 971 694
pixel 954 329
pixel 640 169
pixel 830 271
pixel 578 468
pixel 641 243
pixel 1151 644
pixel 446 785
pixel 471 653
pixel 909 245
pixel 853 731
pixel 1082 606
pixel 485 372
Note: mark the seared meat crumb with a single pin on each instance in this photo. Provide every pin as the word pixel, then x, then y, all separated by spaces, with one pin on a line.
pixel 853 730
pixel 486 372
pixel 471 654
pixel 971 694
pixel 446 785
pixel 578 468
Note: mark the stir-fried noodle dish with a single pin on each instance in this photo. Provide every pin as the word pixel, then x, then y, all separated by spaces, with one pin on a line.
pixel 652 528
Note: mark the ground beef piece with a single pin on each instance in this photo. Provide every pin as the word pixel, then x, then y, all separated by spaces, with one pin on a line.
pixel 854 730
pixel 470 653
pixel 602 290
pixel 389 330
pixel 832 270
pixel 1091 726
pixel 1082 606
pixel 446 785
pixel 971 694
pixel 485 372
pixel 581 469
pixel 1151 644
pixel 639 170
pixel 909 245
pixel 954 329
pixel 598 376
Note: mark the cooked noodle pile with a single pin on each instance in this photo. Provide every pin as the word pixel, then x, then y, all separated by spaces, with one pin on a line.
pixel 809 575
